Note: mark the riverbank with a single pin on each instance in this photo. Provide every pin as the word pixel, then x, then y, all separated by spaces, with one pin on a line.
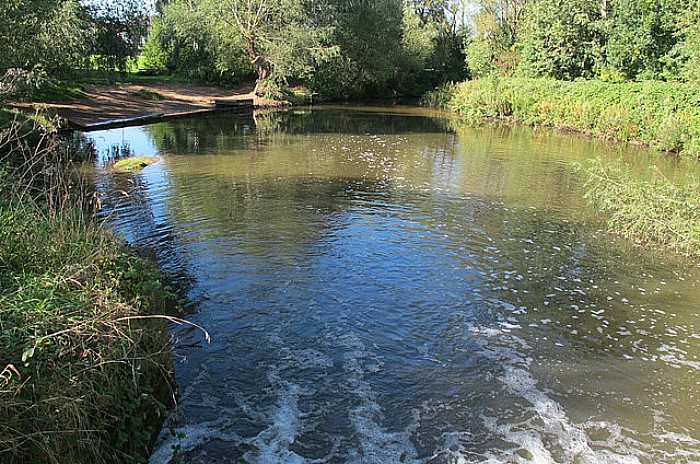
pixel 663 115
pixel 101 103
pixel 85 365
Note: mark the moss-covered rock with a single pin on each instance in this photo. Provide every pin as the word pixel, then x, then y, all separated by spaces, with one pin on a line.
pixel 135 163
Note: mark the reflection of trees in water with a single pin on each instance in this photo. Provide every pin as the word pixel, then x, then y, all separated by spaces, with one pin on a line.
pixel 205 134
pixel 348 121
pixel 225 132
pixel 290 216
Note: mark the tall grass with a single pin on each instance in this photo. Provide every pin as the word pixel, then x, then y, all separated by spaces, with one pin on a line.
pixel 665 115
pixel 84 372
pixel 655 211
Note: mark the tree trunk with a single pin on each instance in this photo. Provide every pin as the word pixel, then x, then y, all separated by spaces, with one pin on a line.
pixel 263 68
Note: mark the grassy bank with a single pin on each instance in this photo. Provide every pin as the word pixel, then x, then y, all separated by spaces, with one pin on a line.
pixel 83 369
pixel 664 115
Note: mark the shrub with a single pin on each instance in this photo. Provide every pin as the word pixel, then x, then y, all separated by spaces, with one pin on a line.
pixel 665 115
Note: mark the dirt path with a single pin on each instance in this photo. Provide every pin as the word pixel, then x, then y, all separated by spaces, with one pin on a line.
pixel 106 103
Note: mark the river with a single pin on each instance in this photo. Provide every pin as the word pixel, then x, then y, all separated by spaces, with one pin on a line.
pixel 381 287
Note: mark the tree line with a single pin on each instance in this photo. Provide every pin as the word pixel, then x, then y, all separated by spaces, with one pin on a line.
pixel 342 49
pixel 353 48
pixel 612 40
pixel 48 39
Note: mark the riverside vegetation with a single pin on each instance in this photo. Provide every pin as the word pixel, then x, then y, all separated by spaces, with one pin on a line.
pixel 84 367
pixel 664 115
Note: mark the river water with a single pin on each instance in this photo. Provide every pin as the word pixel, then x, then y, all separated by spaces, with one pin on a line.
pixel 382 288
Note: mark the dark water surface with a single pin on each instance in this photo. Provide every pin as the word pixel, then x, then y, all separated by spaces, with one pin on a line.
pixel 382 289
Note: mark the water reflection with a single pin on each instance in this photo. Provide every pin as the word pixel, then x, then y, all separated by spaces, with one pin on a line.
pixel 380 288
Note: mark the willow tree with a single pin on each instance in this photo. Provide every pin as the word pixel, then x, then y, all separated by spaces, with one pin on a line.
pixel 280 37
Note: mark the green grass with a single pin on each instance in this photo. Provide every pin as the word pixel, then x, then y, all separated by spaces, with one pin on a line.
pixel 84 369
pixel 665 115
pixel 57 92
pixel 88 76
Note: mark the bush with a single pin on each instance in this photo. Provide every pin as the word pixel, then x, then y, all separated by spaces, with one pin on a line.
pixel 665 115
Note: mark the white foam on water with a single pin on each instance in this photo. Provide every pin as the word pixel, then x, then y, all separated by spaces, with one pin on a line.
pixel 281 419
pixel 376 444
pixel 188 437
pixel 547 435
pixel 285 421
pixel 272 444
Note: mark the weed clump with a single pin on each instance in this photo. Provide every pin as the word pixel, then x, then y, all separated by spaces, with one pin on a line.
pixel 134 163
pixel 652 211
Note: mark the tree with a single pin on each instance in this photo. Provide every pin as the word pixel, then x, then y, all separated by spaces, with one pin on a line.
pixel 448 19
pixel 497 31
pixel 183 39
pixel 118 30
pixel 686 52
pixel 41 34
pixel 279 37
pixel 369 36
pixel 639 35
pixel 562 39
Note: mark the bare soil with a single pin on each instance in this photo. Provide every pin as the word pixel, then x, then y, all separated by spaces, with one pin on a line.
pixel 106 103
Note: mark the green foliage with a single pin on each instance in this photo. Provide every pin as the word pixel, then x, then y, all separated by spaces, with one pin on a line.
pixel 155 51
pixel 479 58
pixel 440 97
pixel 687 51
pixel 184 34
pixel 615 40
pixel 640 34
pixel 279 37
pixel 662 114
pixel 42 41
pixel 82 377
pixel 117 30
pixel 338 49
pixel 41 33
pixel 561 39
pixel 492 49
pixel 654 211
